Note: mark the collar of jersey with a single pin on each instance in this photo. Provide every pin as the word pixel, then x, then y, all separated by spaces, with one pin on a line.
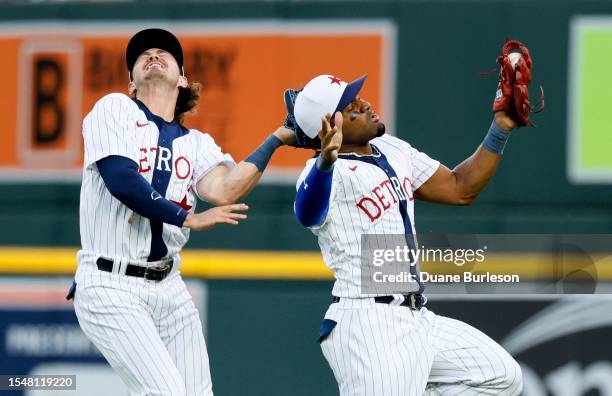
pixel 160 122
pixel 355 156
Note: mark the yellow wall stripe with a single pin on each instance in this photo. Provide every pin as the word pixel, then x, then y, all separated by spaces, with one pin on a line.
pixel 227 264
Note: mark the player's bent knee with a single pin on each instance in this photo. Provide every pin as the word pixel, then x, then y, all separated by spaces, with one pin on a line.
pixel 170 387
pixel 512 382
pixel 179 391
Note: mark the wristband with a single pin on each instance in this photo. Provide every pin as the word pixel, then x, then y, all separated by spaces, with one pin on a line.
pixel 262 155
pixel 495 139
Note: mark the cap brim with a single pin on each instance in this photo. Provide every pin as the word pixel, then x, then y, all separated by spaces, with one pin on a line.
pixel 350 92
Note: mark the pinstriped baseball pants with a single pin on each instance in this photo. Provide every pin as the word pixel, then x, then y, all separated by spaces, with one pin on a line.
pixel 385 350
pixel 149 332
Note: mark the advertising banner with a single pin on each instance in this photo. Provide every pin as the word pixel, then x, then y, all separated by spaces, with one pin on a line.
pixel 54 74
pixel 589 93
pixel 40 335
pixel 561 343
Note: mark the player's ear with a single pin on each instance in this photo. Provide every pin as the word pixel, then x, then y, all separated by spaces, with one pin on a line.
pixel 182 82
pixel 131 88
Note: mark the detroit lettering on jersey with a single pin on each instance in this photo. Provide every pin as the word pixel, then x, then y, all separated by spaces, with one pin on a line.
pixel 169 156
pixel 385 196
pixel 368 199
pixel 181 166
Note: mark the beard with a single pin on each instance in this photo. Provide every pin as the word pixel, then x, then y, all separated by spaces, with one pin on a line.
pixel 155 75
pixel 380 129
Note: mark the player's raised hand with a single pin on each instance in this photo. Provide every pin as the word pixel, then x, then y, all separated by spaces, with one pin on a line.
pixel 331 138
pixel 218 215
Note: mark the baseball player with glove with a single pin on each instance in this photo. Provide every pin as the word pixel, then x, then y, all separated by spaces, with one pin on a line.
pixel 142 171
pixel 363 182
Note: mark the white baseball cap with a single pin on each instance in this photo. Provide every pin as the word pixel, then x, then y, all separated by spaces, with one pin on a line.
pixel 324 94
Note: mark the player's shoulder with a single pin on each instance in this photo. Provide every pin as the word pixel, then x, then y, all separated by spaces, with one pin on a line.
pixel 203 140
pixel 116 99
pixel 114 104
pixel 388 141
pixel 197 132
pixel 395 147
pixel 200 136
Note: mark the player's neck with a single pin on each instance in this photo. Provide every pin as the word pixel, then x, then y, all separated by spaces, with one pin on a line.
pixel 360 149
pixel 159 100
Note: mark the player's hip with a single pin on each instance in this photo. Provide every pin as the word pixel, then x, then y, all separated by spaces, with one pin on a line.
pixel 386 314
pixel 400 306
pixel 356 284
pixel 95 268
pixel 98 290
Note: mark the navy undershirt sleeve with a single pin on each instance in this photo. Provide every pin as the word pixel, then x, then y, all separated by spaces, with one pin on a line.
pixel 121 177
pixel 312 198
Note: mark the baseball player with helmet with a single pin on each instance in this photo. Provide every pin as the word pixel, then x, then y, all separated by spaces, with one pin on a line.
pixel 142 171
pixel 364 182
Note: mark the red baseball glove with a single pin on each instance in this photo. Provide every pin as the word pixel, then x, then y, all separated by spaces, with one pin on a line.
pixel 512 94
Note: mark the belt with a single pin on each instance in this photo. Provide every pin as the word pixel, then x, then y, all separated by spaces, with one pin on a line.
pixel 412 300
pixel 156 273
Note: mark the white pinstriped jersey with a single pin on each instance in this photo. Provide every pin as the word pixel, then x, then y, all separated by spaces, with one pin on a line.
pixel 172 162
pixel 364 200
pixel 379 349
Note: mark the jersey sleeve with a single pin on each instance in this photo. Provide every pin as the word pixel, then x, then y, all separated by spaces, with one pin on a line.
pixel 309 164
pixel 208 156
pixel 108 130
pixel 423 167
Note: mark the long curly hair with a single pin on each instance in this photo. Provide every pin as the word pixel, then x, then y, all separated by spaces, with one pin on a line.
pixel 187 101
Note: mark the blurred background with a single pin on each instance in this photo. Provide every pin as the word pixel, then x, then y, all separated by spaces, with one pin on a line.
pixel 262 288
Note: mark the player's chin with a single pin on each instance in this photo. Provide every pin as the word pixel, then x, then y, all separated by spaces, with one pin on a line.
pixel 155 73
pixel 380 129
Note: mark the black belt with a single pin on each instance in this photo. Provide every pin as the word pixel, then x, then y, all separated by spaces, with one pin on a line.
pixel 151 273
pixel 412 300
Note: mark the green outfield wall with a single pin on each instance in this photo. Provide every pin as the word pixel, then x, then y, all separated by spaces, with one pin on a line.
pixel 442 107
pixel 553 179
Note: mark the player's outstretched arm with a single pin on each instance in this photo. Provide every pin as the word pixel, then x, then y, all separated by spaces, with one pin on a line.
pixel 224 186
pixel 462 185
pixel 512 108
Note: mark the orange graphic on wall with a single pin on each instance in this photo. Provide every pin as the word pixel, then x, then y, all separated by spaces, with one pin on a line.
pixel 52 80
